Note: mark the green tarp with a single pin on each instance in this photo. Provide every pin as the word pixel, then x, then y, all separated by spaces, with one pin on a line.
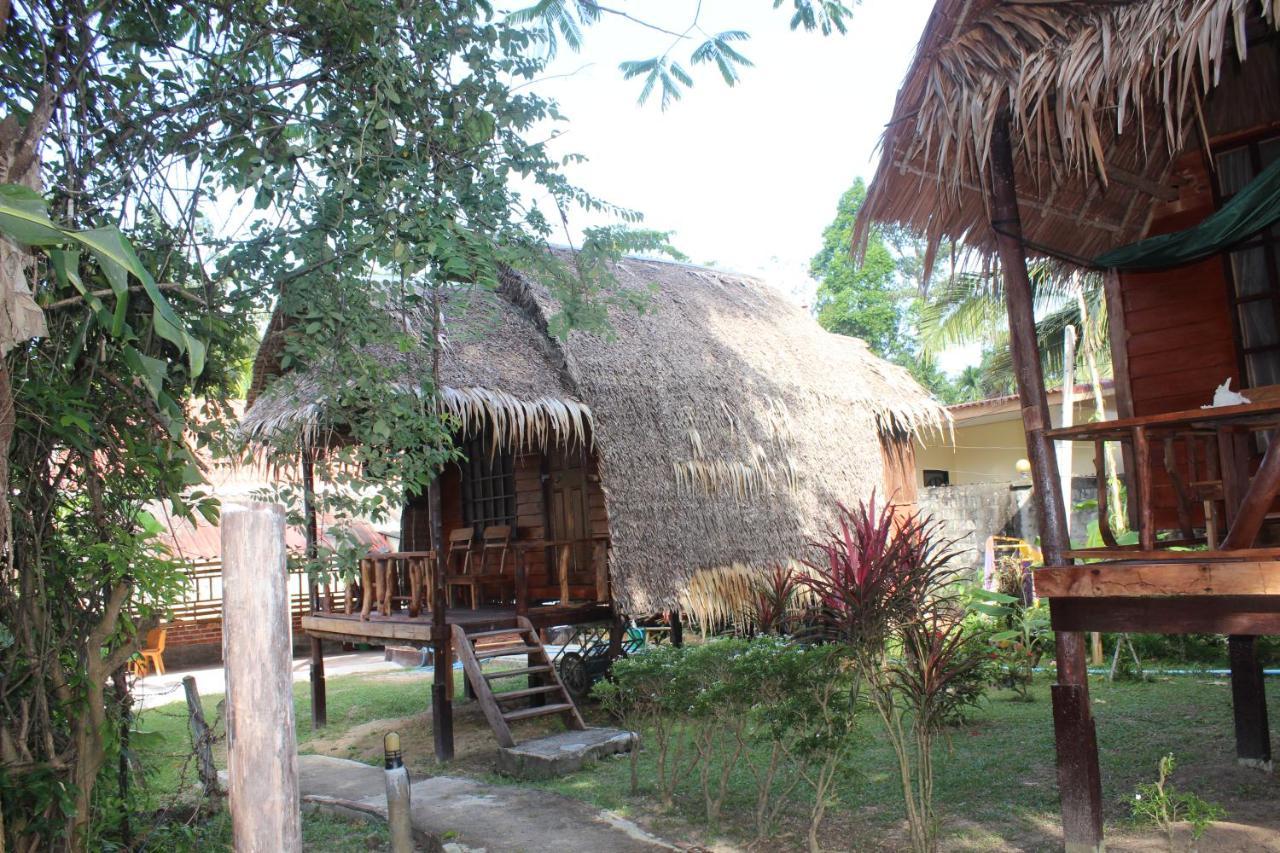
pixel 1254 208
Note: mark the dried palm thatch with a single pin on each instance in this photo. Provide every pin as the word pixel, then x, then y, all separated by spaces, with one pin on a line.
pixel 725 421
pixel 497 369
pixel 725 596
pixel 727 424
pixel 1101 98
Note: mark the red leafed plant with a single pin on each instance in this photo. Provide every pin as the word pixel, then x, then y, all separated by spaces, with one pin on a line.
pixel 883 586
pixel 775 598
pixel 876 571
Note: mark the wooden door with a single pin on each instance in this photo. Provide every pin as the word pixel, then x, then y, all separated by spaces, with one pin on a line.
pixel 569 518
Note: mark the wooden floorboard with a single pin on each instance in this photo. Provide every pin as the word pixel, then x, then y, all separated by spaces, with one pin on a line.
pixel 400 627
pixel 1141 579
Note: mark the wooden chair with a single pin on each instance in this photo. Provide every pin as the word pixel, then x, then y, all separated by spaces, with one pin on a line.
pixel 495 544
pixel 457 567
pixel 151 655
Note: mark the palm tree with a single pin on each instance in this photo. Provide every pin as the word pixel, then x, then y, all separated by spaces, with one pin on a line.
pixel 970 308
pixel 969 385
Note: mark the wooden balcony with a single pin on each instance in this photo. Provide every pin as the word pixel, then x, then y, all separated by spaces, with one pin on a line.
pixel 393 599
pixel 1206 574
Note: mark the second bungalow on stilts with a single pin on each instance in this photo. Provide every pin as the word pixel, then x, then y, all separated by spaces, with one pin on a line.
pixel 657 468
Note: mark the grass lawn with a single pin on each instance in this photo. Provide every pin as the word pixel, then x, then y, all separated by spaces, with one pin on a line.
pixel 996 786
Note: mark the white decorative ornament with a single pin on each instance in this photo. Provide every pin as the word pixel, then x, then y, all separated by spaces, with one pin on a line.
pixel 1224 396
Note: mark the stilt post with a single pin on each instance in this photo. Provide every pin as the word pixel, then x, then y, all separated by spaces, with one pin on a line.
pixel 1079 781
pixel 441 645
pixel 319 700
pixel 1249 703
pixel 257 646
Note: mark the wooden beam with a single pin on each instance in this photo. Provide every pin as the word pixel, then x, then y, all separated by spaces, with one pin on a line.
pixel 1257 501
pixel 1079 777
pixel 1146 507
pixel 1124 553
pixel 1142 183
pixel 1249 614
pixel 1145 580
pixel 1007 224
pixel 1094 222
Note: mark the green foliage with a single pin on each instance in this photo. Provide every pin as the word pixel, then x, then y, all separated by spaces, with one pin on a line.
pixel 1019 638
pixel 99 434
pixel 969 307
pixel 565 20
pixel 780 711
pixel 1162 805
pixel 875 298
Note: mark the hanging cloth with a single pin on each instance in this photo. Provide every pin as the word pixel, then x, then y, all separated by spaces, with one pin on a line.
pixel 1254 208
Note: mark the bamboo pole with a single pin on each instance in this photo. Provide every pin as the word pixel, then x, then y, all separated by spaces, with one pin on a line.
pixel 262 755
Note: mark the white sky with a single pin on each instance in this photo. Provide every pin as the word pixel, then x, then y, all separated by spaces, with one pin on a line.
pixel 745 177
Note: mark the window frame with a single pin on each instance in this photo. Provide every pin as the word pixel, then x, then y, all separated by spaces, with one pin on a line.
pixel 1268 241
pixel 488 479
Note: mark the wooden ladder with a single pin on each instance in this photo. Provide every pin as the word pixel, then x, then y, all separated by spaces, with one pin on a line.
pixel 497 706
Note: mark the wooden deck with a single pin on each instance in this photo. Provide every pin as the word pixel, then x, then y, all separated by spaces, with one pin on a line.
pixel 1173 592
pixel 1172 573
pixel 400 627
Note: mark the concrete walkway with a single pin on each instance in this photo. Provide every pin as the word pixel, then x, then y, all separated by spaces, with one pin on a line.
pixel 154 690
pixel 473 815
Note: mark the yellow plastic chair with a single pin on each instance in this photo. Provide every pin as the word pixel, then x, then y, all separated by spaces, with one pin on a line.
pixel 151 655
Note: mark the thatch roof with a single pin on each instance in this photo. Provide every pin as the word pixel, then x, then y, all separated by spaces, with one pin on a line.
pixel 1102 97
pixel 497 367
pixel 727 423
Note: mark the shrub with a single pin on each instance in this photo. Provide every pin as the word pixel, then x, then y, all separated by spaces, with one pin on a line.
pixel 779 711
pixel 1162 805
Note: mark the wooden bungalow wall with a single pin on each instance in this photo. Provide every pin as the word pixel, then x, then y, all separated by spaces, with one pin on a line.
pixel 1177 322
pixel 1181 341
pixel 531 515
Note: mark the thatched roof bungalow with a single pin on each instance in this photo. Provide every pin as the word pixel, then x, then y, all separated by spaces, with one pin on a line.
pixel 710 435
pixel 1139 141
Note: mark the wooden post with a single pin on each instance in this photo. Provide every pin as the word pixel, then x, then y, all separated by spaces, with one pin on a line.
pixel 1256 501
pixel 1079 780
pixel 201 737
pixel 1249 701
pixel 398 795
pixel 1118 336
pixel 441 647
pixel 262 754
pixel 677 628
pixel 617 632
pixel 1146 506
pixel 1065 450
pixel 319 701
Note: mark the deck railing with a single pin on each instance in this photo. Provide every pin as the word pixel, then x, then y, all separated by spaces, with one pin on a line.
pixel 405 581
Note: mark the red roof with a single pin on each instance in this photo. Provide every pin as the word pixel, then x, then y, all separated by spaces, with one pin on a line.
pixel 202 541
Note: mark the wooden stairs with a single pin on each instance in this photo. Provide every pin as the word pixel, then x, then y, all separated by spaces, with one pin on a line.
pixel 500 709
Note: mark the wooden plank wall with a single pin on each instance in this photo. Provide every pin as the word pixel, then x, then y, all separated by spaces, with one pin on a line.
pixel 531 516
pixel 899 460
pixel 1181 343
